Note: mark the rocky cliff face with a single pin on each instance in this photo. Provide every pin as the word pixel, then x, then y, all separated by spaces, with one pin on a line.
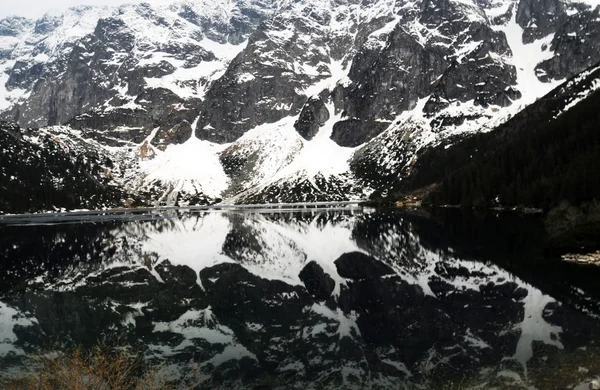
pixel 319 98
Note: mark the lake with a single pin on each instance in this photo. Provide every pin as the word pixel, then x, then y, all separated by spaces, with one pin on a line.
pixel 309 298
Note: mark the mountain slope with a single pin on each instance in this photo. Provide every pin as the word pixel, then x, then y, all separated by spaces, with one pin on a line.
pixel 253 101
pixel 542 156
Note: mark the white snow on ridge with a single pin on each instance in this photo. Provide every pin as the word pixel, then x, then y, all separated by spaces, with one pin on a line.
pixel 338 75
pixel 275 145
pixel 193 82
pixel 154 27
pixel 75 23
pixel 581 96
pixel 282 155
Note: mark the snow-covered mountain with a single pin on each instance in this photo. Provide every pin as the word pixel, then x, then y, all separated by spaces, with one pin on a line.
pixel 252 100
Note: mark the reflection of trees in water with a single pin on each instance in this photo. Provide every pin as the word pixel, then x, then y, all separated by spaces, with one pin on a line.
pixel 31 251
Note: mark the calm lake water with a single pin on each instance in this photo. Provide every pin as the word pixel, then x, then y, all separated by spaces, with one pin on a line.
pixel 318 299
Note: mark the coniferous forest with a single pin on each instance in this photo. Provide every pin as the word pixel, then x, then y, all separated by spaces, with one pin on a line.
pixel 529 161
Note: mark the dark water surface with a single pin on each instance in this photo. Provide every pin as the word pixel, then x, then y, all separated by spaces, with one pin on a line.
pixel 308 300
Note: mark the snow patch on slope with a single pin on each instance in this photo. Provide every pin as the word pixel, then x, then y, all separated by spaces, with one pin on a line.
pixel 595 86
pixel 193 82
pixel 191 167
pixel 275 146
pixel 9 97
pixel 75 23
pixel 525 58
pixel 321 155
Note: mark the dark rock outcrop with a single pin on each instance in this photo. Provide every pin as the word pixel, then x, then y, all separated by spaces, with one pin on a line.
pixel 354 132
pixel 317 282
pixel 357 265
pixel 539 18
pixel 314 114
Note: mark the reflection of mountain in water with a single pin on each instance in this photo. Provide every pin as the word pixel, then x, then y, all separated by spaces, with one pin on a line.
pixel 305 300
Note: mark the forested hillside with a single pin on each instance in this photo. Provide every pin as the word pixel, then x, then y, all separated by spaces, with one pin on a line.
pixel 41 171
pixel 545 154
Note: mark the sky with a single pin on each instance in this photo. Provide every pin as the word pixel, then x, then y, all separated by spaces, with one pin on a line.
pixel 36 8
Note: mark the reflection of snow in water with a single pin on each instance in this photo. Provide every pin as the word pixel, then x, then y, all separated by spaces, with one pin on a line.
pixel 422 269
pixel 346 324
pixel 534 327
pixel 286 247
pixel 279 248
pixel 196 242
pixel 202 325
pixel 9 318
pixel 322 243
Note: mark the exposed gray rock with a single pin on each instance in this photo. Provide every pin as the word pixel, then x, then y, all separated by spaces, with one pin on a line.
pixel 109 120
pixel 47 23
pixel 24 75
pixel 314 115
pixel 354 132
pixel 57 99
pixel 235 105
pixel 13 26
pixel 540 17
pixel 402 73
pixel 576 45
pixel 285 56
pixel 476 77
pixel 109 67
pixel 257 89
pixel 177 134
pixel 239 25
pixel 390 79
